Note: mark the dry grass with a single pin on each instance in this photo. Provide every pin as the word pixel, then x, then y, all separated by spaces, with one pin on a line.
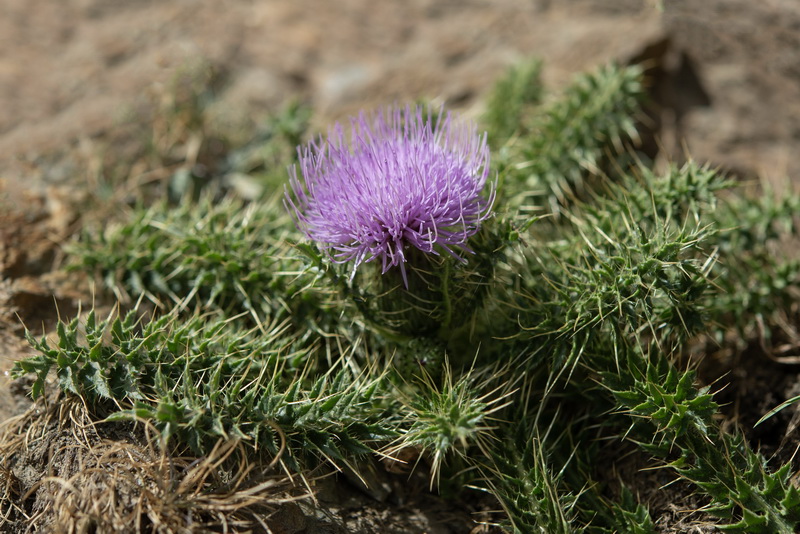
pixel 60 472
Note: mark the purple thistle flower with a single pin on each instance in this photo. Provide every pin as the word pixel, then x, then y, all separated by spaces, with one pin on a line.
pixel 403 181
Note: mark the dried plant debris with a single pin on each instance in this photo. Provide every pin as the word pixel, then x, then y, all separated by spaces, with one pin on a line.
pixel 64 472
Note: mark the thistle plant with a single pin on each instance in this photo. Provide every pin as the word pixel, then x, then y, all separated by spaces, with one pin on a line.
pixel 398 307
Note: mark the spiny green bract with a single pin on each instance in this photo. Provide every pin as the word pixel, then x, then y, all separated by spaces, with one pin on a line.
pixel 529 486
pixel 611 269
pixel 759 285
pixel 512 101
pixel 230 256
pixel 672 417
pixel 204 379
pixel 447 301
pixel 453 417
pixel 570 138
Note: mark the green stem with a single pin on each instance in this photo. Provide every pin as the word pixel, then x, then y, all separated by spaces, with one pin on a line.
pixel 448 307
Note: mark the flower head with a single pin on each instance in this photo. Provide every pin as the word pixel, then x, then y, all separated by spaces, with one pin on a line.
pixel 402 181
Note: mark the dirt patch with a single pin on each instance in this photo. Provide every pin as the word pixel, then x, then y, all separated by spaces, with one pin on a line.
pixel 32 294
pixel 672 503
pixel 70 69
pixel 746 57
pixel 751 383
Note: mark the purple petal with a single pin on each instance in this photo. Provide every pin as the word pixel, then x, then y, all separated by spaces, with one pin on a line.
pixel 401 181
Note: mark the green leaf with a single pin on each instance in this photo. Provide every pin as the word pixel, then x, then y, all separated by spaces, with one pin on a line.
pixel 778 408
